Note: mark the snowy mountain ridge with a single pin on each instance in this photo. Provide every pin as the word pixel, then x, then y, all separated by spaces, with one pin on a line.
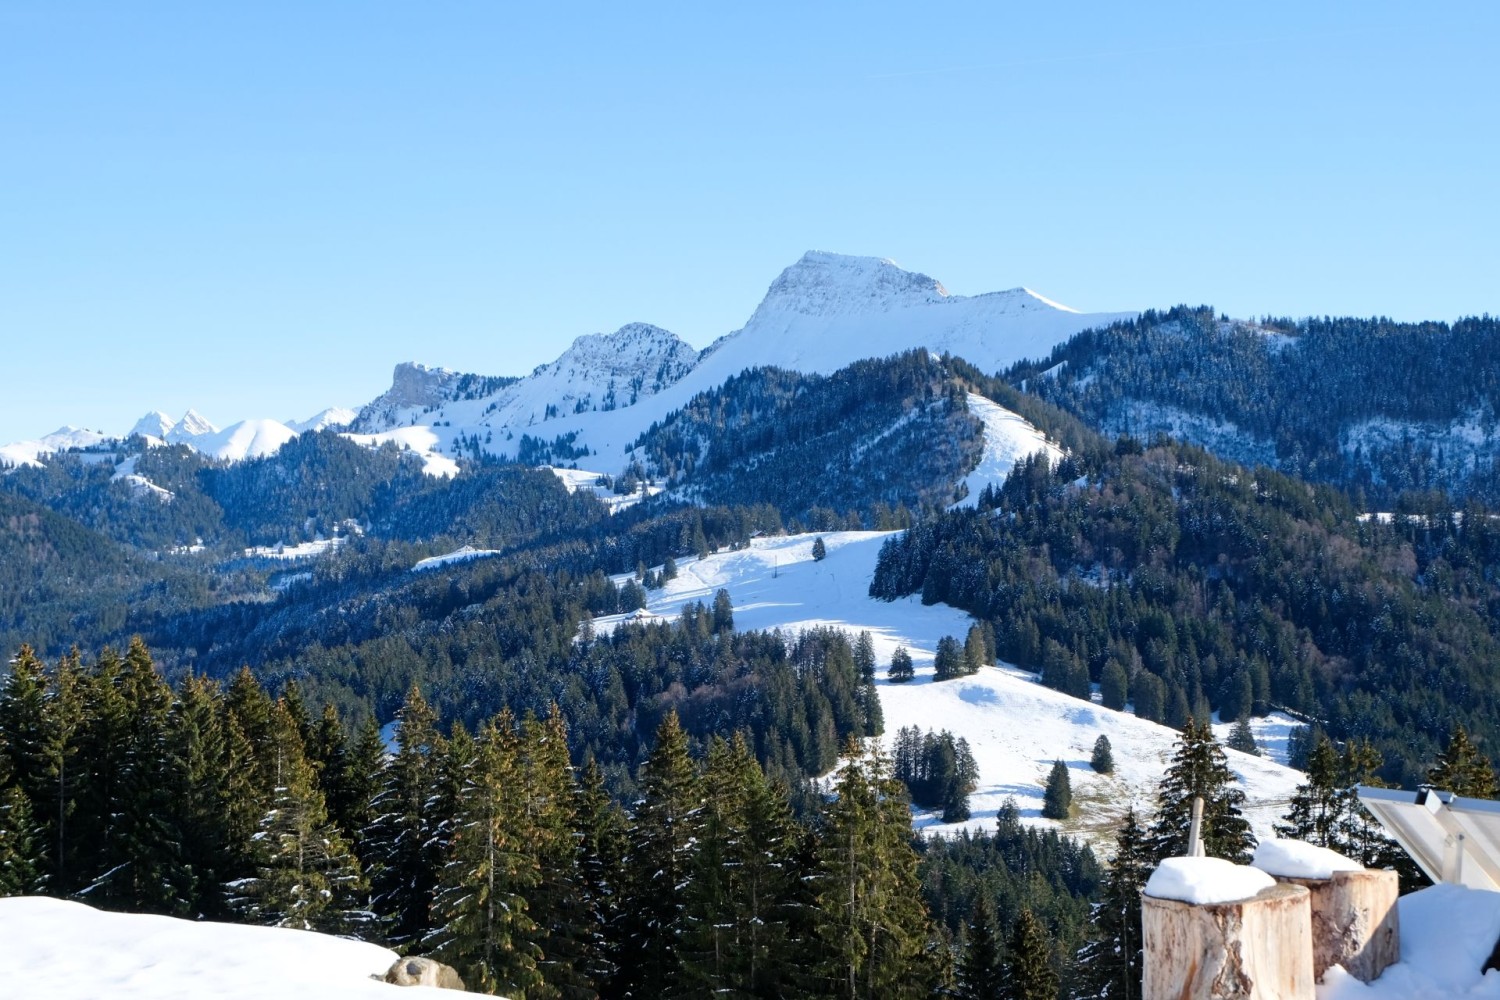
pixel 821 314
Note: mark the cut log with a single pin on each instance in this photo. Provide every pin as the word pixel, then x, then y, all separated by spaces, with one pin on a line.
pixel 1252 949
pixel 1354 922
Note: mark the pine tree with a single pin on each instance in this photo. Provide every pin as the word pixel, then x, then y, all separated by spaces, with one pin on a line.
pixel 871 926
pixel 864 656
pixel 819 550
pixel 1463 770
pixel 981 971
pixel 305 875
pixel 25 733
pixel 1029 961
pixel 485 929
pixel 1200 768
pixel 900 670
pixel 1103 758
pixel 558 902
pixel 1111 962
pixel 723 612
pixel 657 868
pixel 1057 800
pixel 364 777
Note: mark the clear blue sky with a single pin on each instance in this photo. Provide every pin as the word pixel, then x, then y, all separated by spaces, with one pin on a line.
pixel 257 209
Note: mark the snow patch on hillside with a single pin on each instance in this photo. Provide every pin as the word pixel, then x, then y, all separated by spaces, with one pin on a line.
pixel 425 442
pixel 304 550
pixel 58 950
pixel 467 553
pixel 582 479
pixel 1008 438
pixel 1015 726
pixel 1145 420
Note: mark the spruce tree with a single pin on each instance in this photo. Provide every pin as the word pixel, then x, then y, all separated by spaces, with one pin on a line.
pixel 1200 768
pixel 871 926
pixel 25 732
pixel 1103 758
pixel 142 851
pixel 1463 769
pixel 974 650
pixel 900 670
pixel 1029 961
pixel 660 859
pixel 1111 962
pixel 405 852
pixel 1241 738
pixel 1317 808
pixel 981 970
pixel 819 550
pixel 1057 800
pixel 864 656
pixel 364 777
pixel 948 663
pixel 200 753
pixel 305 875
pixel 603 831
pixel 21 861
pixel 484 927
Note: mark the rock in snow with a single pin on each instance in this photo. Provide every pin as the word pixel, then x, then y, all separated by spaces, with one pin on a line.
pixel 1206 880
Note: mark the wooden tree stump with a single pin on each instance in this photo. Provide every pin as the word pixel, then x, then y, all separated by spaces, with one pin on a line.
pixel 1354 922
pixel 1252 949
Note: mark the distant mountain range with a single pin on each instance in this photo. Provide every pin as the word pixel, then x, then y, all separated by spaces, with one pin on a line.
pixel 819 315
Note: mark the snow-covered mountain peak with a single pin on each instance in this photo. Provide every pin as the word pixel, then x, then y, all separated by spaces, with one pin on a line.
pixel 192 425
pixel 831 284
pixel 333 418
pixel 633 348
pixel 155 424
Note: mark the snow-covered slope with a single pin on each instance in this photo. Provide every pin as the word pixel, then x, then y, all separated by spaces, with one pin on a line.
pixel 58 950
pixel 821 314
pixel 1015 726
pixel 1008 438
pixel 246 439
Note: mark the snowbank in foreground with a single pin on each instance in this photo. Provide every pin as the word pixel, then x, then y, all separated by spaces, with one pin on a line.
pixel 1447 932
pixel 1206 880
pixel 57 950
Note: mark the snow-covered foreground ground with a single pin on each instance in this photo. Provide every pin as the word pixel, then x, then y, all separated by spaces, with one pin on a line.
pixel 1447 933
pixel 1014 725
pixel 57 950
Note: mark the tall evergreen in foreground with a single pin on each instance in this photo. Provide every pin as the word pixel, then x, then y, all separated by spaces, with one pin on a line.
pixel 1029 962
pixel 657 867
pixel 485 928
pixel 981 970
pixel 305 875
pixel 871 926
pixel 405 853
pixel 1111 962
pixel 1057 799
pixel 1463 769
pixel 1200 768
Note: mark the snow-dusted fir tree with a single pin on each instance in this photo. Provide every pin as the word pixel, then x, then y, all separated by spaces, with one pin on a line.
pixel 900 670
pixel 305 875
pixel 1200 768
pixel 981 969
pixel 484 928
pixel 872 928
pixel 1110 963
pixel 404 851
pixel 657 868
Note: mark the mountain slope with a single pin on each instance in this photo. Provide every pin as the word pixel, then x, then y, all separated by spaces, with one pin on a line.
pixel 1015 726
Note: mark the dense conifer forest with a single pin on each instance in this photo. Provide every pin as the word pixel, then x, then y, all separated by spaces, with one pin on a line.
pixel 1378 407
